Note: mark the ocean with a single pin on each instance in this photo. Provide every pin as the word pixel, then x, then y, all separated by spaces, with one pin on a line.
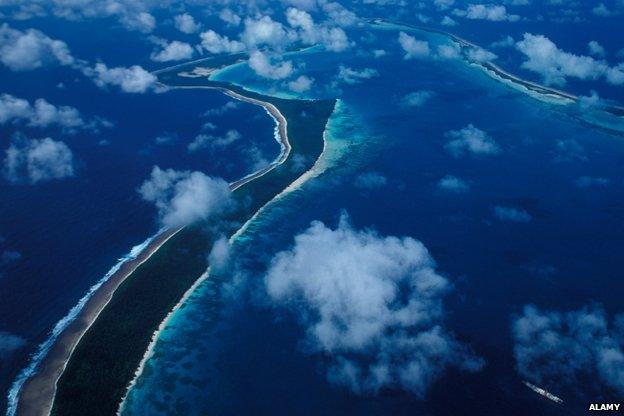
pixel 230 350
pixel 70 233
pixel 537 221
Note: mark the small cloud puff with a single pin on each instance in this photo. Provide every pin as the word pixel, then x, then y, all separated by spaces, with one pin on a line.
pixel 511 214
pixel 412 47
pixel 184 197
pixel 471 140
pixel 38 160
pixel 173 51
pixel 134 79
pixel 554 348
pixel 453 184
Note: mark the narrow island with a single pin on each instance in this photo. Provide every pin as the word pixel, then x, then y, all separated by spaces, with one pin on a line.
pixel 89 367
pixel 494 70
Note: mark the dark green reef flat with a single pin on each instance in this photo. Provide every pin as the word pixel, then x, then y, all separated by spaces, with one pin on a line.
pixel 105 359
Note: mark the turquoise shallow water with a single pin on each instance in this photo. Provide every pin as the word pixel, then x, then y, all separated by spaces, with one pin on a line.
pixel 230 351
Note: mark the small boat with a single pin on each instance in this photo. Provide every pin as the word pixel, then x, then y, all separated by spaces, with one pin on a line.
pixel 543 392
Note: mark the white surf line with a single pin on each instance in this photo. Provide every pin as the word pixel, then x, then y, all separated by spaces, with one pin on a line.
pixel 196 61
pixel 41 353
pixel 313 172
pixel 282 136
pixel 149 353
pixel 491 69
pixel 74 313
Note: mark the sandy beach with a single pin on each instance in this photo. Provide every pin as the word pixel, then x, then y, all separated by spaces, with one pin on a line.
pixel 36 396
pixel 37 393
pixel 286 148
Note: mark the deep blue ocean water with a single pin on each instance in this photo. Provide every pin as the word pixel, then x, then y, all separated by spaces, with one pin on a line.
pixel 69 233
pixel 243 356
pixel 246 357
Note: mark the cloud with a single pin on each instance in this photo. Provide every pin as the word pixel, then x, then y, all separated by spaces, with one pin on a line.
pixel 413 48
pixel 185 23
pixel 166 138
pixel 229 106
pixel 334 39
pixel 134 79
pixel 511 214
pixel 219 254
pixel 265 31
pixel 417 98
pixel 203 141
pixel 371 305
pixel 257 159
pixel 262 66
pixel 38 160
pixel 453 184
pixel 504 42
pixel 590 182
pixel 31 49
pixel 491 12
pixel 9 343
pixel 470 140
pixel 184 197
pixel 451 51
pixel 596 49
pixel 301 84
pixel 601 10
pixel 554 348
pixel 173 51
pixel 480 55
pixel 447 21
pixel 352 76
pixel 9 256
pixel 43 114
pixel 142 21
pixel 443 4
pixel 569 150
pixel 554 64
pixel 370 180
pixel 338 14
pixel 228 16
pixel 615 75
pixel 212 42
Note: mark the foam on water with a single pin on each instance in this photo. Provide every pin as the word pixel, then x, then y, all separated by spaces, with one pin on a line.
pixel 62 324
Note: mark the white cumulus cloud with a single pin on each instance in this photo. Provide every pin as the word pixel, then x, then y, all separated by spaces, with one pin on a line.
pixel 554 64
pixel 185 23
pixel 413 48
pixel 31 49
pixel 301 84
pixel 470 140
pixel 212 42
pixel 262 65
pixel 134 79
pixel 554 348
pixel 453 184
pixel 174 51
pixel 38 160
pixel 39 114
pixel 372 305
pixel 492 12
pixel 184 197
